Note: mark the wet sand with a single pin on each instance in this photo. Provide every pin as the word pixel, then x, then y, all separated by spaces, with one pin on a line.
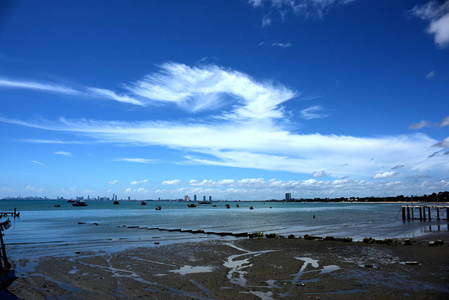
pixel 259 268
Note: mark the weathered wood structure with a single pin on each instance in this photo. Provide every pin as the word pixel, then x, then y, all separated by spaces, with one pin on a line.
pixel 408 212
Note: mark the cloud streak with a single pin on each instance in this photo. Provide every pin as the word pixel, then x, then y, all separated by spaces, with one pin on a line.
pixel 437 13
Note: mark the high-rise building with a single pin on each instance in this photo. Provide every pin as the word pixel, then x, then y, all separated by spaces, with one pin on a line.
pixel 204 198
pixel 210 198
pixel 288 196
pixel 186 198
pixel 194 197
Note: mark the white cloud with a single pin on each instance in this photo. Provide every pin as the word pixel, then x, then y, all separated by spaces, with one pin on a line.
pixel 313 112
pixel 304 8
pixel 282 45
pixel 320 174
pixel 63 153
pixel 38 163
pixel 113 181
pixel 445 122
pixel 171 182
pixel 137 160
pixel 139 182
pixel 444 143
pixel 266 21
pixel 137 191
pixel 33 189
pixel 431 74
pixel 385 175
pixel 420 125
pixel 37 86
pixel 209 87
pixel 437 13
pixel 112 95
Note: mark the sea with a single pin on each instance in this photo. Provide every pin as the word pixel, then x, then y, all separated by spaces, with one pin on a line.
pixel 43 229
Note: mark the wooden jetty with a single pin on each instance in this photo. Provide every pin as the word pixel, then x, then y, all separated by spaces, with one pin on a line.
pixel 408 212
pixel 14 213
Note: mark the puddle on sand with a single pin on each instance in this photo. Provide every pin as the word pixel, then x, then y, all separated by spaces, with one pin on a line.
pixel 193 269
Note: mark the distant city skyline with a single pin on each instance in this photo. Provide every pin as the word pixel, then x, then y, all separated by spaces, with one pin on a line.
pixel 238 99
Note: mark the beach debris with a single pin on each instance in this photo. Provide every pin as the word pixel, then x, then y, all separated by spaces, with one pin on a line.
pixel 411 262
pixel 81 223
pixel 436 243
pixel 347 239
pixel 369 266
pixel 270 235
pixel 407 242
pixel 256 234
pixel 291 236
pixel 369 240
pixel 328 238
pixel 156 243
pixel 311 237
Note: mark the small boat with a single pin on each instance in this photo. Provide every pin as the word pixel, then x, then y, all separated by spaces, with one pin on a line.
pixel 205 202
pixel 191 205
pixel 116 202
pixel 7 275
pixel 237 205
pixel 79 203
pixel 57 205
pixel 251 207
pixel 143 203
pixel 158 207
pixel 228 206
pixel 70 201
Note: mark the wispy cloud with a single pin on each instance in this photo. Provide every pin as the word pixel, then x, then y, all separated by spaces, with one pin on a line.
pixel 112 95
pixel 137 160
pixel 398 167
pixel 385 175
pixel 37 86
pixel 114 181
pixel 320 174
pixel 303 8
pixel 38 163
pixel 63 153
pixel 421 124
pixel 171 182
pixel 282 45
pixel 138 181
pixel 209 87
pixel 33 189
pixel 313 112
pixel 445 122
pixel 431 74
pixel 437 13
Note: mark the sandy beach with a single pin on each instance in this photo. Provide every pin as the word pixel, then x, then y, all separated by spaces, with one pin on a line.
pixel 258 268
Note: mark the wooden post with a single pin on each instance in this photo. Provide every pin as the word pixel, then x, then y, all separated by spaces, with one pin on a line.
pixel 403 213
pixel 428 210
pixel 15 213
pixel 413 216
pixel 438 213
pixel 424 212
pixel 408 212
pixel 420 213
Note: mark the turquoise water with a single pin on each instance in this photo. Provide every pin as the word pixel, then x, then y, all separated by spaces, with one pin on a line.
pixel 43 229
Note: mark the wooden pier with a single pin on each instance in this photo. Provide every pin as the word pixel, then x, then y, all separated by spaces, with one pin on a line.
pixel 10 213
pixel 408 212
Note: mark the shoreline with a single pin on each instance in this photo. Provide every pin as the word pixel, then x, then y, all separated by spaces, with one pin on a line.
pixel 258 268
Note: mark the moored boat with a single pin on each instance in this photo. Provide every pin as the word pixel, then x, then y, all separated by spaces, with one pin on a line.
pixel 7 274
pixel 79 203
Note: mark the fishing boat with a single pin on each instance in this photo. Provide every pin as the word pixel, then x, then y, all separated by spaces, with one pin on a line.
pixel 191 205
pixel 143 203
pixel 116 202
pixel 7 275
pixel 79 203
pixel 158 207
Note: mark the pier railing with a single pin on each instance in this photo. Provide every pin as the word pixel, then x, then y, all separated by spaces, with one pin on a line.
pixel 408 212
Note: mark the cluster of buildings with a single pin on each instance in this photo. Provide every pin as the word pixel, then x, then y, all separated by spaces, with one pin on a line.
pixel 187 198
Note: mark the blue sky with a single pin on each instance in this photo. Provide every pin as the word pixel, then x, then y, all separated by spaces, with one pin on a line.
pixel 243 99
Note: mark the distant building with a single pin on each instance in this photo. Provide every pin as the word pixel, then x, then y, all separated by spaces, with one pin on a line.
pixel 186 198
pixel 210 198
pixel 288 196
pixel 129 198
pixel 194 197
pixel 204 198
